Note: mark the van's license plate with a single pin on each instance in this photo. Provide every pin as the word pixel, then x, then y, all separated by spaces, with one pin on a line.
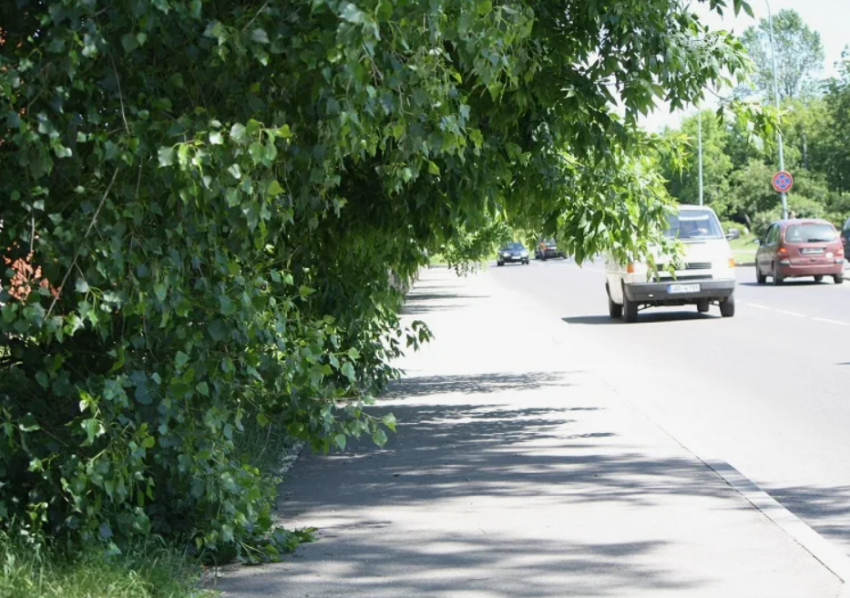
pixel 682 288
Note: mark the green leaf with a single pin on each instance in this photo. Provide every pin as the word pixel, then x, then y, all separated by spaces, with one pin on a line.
pixel 274 189
pixel 228 308
pixel 81 285
pixel 93 429
pixel 389 421
pixel 130 42
pixel 166 156
pixel 62 152
pixel 385 10
pixel 216 138
pixel 160 291
pixel 340 440
pixel 203 388
pixel 353 354
pixel 379 437
pixel 258 152
pixel 260 36
pixel 305 291
pixel 263 420
pixel 484 7
pixel 181 359
pixel 433 168
pixel 348 371
pixel 237 133
pixel 42 380
pixel 351 13
pixel 149 442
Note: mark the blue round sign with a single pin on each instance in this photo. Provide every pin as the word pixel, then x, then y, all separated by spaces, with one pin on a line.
pixel 783 181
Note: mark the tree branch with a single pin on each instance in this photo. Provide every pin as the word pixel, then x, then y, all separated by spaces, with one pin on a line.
pixel 80 247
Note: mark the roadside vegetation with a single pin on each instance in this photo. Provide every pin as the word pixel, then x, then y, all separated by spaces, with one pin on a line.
pixel 210 211
pixel 815 120
pixel 151 570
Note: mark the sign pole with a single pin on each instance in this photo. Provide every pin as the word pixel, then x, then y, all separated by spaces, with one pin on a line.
pixel 782 195
pixel 699 144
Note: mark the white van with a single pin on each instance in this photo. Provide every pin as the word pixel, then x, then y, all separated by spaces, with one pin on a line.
pixel 708 275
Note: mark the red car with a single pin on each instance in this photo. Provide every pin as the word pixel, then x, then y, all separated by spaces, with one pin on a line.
pixel 794 248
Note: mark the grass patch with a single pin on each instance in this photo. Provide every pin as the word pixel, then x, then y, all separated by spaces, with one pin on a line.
pixel 154 570
pixel 744 249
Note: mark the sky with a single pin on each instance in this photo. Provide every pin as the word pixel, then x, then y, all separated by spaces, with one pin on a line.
pixel 831 18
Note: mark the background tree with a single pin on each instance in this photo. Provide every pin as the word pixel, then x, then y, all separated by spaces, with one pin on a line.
pixel 683 182
pixel 799 55
pixel 833 147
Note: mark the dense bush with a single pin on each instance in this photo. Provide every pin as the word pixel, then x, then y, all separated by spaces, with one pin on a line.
pixel 205 203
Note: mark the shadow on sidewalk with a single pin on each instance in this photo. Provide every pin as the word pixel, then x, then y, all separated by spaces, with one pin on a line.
pixel 426 300
pixel 422 386
pixel 454 566
pixel 485 450
pixel 825 508
pixel 395 521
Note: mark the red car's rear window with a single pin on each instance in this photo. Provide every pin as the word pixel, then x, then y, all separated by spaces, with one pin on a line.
pixel 810 233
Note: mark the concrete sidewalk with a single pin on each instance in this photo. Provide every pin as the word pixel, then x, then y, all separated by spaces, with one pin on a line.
pixel 516 472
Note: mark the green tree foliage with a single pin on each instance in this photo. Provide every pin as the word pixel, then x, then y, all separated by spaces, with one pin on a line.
pixel 799 55
pixel 739 168
pixel 683 182
pixel 207 206
pixel 832 149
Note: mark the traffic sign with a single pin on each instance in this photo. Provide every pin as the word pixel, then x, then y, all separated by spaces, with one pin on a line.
pixel 783 181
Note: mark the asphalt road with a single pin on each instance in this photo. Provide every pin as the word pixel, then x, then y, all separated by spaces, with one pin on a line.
pixel 768 391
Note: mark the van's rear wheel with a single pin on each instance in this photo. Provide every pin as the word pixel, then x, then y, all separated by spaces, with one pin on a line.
pixel 727 307
pixel 630 310
pixel 702 306
pixel 819 278
pixel 838 278
pixel 615 310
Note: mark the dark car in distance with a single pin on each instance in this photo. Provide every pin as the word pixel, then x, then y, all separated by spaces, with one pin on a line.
pixel 800 247
pixel 512 253
pixel 547 249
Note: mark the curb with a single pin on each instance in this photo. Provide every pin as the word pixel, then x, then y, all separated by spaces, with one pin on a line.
pixel 819 547
pixel 824 551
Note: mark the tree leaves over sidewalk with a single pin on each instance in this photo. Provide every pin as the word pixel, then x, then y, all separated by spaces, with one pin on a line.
pixel 218 192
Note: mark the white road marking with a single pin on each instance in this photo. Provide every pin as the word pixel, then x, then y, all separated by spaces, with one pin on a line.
pixel 758 306
pixel 791 313
pixel 828 321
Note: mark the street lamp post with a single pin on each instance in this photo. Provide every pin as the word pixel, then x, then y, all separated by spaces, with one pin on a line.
pixel 699 150
pixel 776 99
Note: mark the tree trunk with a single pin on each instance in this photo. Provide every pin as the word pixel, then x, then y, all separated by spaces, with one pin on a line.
pixel 805 150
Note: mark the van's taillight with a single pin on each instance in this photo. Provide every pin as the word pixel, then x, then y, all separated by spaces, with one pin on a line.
pixel 630 269
pixel 731 262
pixel 782 251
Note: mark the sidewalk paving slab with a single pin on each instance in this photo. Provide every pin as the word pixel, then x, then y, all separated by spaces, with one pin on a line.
pixel 517 472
